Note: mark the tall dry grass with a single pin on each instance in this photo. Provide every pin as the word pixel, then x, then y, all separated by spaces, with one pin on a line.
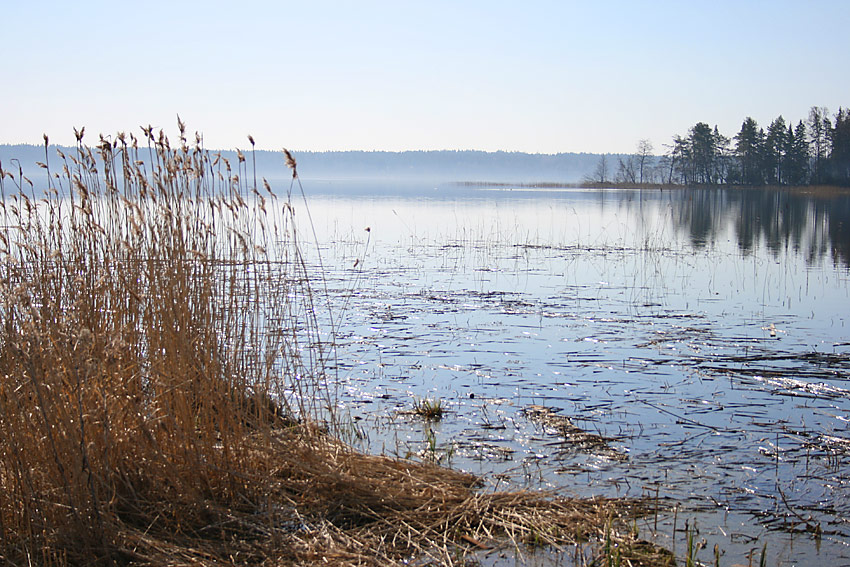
pixel 162 387
pixel 150 339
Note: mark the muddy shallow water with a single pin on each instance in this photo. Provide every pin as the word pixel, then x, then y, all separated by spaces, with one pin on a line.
pixel 690 346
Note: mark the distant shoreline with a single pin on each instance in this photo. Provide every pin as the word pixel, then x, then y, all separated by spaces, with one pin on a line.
pixel 811 189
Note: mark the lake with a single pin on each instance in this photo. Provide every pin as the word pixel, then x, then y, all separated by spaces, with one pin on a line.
pixel 691 346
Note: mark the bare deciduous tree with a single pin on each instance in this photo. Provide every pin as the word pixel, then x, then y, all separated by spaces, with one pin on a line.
pixel 643 156
pixel 600 174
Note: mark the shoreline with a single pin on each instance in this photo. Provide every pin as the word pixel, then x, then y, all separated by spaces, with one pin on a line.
pixel 808 189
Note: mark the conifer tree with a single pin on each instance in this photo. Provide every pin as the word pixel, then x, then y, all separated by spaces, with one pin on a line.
pixel 774 151
pixel 797 155
pixel 819 129
pixel 748 149
pixel 839 159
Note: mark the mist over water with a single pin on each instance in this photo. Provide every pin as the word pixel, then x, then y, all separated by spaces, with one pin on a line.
pixel 694 341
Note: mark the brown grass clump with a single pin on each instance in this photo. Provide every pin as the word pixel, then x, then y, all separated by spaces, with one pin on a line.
pixel 162 387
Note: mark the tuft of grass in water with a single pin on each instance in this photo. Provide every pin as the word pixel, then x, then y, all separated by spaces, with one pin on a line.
pixel 430 409
pixel 693 546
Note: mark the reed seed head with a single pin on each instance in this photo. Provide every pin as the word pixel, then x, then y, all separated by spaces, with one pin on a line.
pixel 290 163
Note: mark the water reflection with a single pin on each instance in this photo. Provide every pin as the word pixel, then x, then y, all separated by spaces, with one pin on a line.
pixel 812 226
pixel 816 227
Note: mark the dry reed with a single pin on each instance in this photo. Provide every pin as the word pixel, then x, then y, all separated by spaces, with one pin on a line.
pixel 162 386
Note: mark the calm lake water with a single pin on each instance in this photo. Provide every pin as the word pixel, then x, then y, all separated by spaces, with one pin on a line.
pixel 692 345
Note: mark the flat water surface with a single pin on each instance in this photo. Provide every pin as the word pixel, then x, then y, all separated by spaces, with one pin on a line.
pixel 691 346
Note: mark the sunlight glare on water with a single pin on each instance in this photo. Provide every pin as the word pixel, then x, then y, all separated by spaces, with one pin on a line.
pixel 688 345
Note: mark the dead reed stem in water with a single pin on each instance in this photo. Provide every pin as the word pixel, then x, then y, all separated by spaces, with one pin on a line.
pixel 162 385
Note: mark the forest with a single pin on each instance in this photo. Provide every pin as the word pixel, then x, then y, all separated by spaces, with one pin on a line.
pixel 815 151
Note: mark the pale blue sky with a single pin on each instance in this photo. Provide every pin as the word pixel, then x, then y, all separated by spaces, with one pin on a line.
pixel 547 77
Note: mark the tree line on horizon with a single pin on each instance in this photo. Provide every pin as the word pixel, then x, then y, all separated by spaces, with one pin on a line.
pixel 814 152
pixel 430 165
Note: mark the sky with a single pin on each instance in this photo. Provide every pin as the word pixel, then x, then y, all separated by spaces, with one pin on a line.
pixel 533 76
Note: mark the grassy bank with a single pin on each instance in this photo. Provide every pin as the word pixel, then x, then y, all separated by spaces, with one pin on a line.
pixel 163 396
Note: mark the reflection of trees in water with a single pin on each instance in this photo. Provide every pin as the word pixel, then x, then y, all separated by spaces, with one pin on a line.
pixel 839 230
pixel 816 227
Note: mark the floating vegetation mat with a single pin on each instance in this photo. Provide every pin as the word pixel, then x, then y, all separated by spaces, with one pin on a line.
pixel 328 504
pixel 573 438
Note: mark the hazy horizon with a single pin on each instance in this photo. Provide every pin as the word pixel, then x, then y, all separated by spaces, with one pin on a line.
pixel 246 146
pixel 426 165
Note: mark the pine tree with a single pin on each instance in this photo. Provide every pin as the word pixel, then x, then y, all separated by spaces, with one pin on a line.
pixel 680 161
pixel 774 151
pixel 819 129
pixel 839 159
pixel 797 155
pixel 748 149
